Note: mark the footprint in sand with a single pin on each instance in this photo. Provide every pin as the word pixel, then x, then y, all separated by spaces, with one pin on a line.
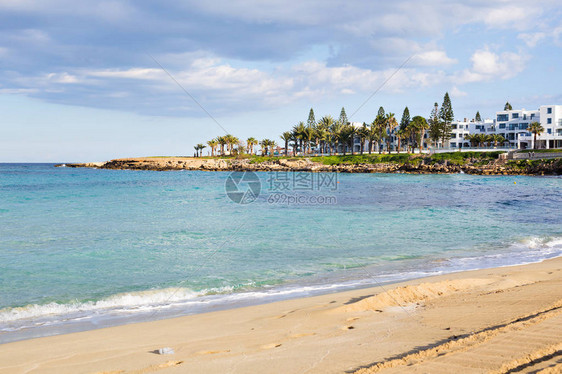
pixel 302 335
pixel 270 346
pixel 211 352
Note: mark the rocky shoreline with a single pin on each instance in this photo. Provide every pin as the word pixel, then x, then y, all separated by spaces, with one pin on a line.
pixel 417 166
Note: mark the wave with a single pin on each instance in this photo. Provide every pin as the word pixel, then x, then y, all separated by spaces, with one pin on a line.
pixel 187 301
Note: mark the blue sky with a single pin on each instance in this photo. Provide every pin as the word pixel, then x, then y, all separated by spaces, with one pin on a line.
pixel 78 80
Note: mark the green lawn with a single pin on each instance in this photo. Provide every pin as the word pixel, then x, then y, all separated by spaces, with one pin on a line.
pixel 552 150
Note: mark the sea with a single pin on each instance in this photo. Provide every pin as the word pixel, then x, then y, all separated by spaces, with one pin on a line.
pixel 82 248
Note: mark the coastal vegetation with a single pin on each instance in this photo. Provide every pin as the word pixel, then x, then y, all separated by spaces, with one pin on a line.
pixel 329 136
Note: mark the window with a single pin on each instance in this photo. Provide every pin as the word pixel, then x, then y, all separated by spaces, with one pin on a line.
pixel 549 121
pixel 548 110
pixel 523 126
pixel 532 115
pixel 453 126
pixel 503 117
pixel 515 115
pixel 453 145
pixel 502 125
pixel 453 136
pixel 524 117
pixel 549 131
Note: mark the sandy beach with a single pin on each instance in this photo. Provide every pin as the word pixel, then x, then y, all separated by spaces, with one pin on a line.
pixel 498 320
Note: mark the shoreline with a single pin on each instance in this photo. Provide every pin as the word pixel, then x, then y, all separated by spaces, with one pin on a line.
pixel 332 332
pixel 41 320
pixel 393 163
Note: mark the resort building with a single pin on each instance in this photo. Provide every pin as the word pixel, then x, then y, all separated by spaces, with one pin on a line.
pixel 513 125
pixel 510 124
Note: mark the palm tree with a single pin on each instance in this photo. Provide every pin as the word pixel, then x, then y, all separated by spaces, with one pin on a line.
pixel 497 138
pixel 231 141
pixel 471 138
pixel 372 136
pixel 250 142
pixel 323 130
pixel 335 131
pixel 199 147
pixel 272 144
pixel 286 136
pixel 213 144
pixel 320 136
pixel 308 136
pixel 363 134
pixel 298 133
pixel 222 141
pixel 346 136
pixel 351 133
pixel 419 125
pixel 264 144
pixel 400 134
pixel 391 124
pixel 380 127
pixel 480 139
pixel 536 129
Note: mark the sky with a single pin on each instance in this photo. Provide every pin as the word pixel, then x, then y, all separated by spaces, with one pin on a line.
pixel 85 80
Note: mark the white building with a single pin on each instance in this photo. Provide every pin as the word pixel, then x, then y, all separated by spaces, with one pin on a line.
pixel 460 129
pixel 550 118
pixel 512 125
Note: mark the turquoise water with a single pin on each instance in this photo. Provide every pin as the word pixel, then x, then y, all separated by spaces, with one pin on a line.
pixel 83 248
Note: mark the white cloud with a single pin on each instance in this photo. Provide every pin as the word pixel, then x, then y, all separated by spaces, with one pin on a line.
pixel 133 73
pixel 455 92
pixel 531 39
pixel 517 17
pixel 62 78
pixel 434 58
pixel 487 65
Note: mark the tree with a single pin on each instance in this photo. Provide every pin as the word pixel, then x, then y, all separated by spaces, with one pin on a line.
pixel 311 122
pixel 222 143
pixel 321 132
pixel 250 142
pixel 363 134
pixel 405 121
pixel 213 144
pixel 231 140
pixel 372 136
pixel 324 129
pixel 418 125
pixel 507 106
pixel 266 146
pixel 497 138
pixel 380 126
pixel 198 148
pixel 446 116
pixel 343 117
pixel 391 124
pixel 477 118
pixel 434 125
pixel 298 133
pixel 308 136
pixel 536 129
pixel 346 136
pixel 335 131
pixel 380 113
pixel 286 137
pixel 400 134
